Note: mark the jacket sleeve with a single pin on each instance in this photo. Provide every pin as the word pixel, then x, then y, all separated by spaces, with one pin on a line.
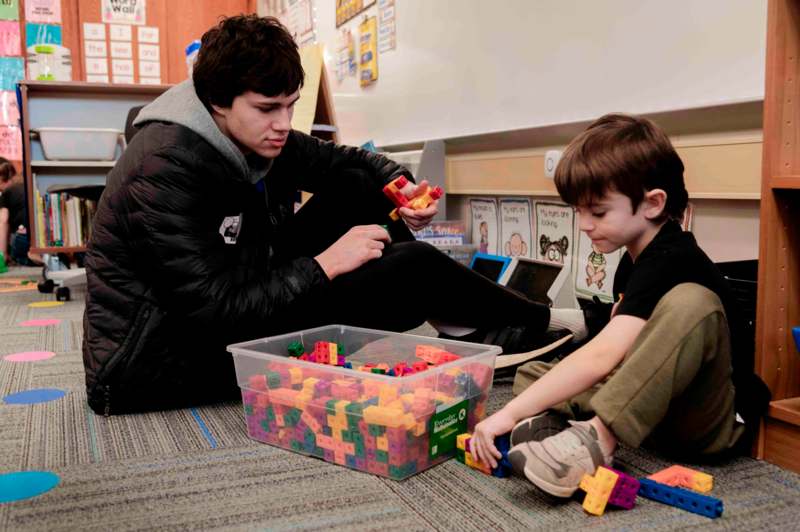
pixel 311 160
pixel 166 206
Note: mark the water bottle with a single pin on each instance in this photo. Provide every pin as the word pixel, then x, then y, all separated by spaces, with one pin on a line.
pixel 191 55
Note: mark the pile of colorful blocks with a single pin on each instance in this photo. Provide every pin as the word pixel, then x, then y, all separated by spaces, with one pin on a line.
pixel 609 486
pixel 363 421
pixel 332 354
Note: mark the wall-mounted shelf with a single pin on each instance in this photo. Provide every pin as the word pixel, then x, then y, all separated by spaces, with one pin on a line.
pixel 73 164
pixel 785 182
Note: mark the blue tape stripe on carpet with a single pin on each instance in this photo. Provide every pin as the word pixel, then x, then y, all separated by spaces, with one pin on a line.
pixel 204 428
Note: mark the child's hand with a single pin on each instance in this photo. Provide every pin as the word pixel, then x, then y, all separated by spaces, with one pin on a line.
pixel 419 219
pixel 482 441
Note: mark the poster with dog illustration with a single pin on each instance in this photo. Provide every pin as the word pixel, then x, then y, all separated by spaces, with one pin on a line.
pixel 555 228
pixel 594 271
pixel 515 227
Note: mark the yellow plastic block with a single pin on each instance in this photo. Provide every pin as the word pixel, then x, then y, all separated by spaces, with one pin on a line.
pixel 309 383
pixel 382 442
pixel 334 353
pixel 420 428
pixel 461 440
pixel 295 375
pixel 340 408
pixel 598 489
pixel 409 421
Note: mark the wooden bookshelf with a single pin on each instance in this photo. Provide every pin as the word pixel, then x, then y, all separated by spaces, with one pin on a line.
pixel 778 308
pixel 70 104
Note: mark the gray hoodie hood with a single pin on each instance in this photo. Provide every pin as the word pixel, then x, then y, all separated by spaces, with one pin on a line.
pixel 180 105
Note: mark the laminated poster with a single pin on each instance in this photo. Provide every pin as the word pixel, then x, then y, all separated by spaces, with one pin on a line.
pixel 9 38
pixel 368 51
pixel 515 227
pixel 594 271
pixel 9 111
pixel 485 227
pixel 9 9
pixel 387 34
pixel 555 229
pixel 123 12
pixel 43 11
pixel 11 143
pixel 42 34
pixel 12 70
pixel 348 9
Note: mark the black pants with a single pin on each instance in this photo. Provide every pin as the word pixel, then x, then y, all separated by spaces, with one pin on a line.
pixel 411 283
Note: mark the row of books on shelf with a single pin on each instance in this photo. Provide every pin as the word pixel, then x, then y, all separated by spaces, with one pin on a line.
pixel 63 220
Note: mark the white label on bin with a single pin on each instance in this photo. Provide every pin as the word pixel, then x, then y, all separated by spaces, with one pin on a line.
pixel 150 81
pixel 123 79
pixel 97 78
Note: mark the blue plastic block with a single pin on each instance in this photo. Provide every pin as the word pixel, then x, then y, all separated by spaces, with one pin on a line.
pixel 796 334
pixel 680 498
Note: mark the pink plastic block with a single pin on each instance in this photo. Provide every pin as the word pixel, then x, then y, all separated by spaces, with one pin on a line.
pixel 625 490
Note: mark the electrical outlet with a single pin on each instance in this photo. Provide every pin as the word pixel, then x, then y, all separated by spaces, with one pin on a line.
pixel 551 158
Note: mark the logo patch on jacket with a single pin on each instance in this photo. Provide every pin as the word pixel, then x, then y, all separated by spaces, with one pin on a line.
pixel 230 228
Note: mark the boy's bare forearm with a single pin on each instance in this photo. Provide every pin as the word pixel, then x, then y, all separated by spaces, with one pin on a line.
pixel 580 370
pixel 4 238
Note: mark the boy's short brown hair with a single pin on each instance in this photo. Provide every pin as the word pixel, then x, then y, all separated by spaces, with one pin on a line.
pixel 626 154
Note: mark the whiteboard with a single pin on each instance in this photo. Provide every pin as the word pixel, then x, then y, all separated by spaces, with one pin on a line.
pixel 467 67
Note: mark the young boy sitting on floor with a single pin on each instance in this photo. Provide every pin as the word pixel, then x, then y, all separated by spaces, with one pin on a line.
pixel 666 370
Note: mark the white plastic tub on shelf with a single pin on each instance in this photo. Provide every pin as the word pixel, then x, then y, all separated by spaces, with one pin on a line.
pixel 79 143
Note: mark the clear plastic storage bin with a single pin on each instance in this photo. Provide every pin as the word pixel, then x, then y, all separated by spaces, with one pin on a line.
pixel 385 425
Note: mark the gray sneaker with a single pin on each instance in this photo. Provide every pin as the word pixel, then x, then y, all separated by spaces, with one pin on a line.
pixel 557 464
pixel 537 428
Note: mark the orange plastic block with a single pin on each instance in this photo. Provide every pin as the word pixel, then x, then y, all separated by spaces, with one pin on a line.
pixel 419 202
pixel 434 355
pixel 683 477
pixel 476 464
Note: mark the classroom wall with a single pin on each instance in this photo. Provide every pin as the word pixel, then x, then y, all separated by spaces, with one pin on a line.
pixel 465 67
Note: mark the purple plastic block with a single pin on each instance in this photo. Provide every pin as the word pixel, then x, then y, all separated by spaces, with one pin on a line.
pixel 328 455
pixel 249 397
pixel 624 492
pixel 340 360
pixel 361 463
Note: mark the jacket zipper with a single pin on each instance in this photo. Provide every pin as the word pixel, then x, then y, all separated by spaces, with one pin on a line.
pixel 112 363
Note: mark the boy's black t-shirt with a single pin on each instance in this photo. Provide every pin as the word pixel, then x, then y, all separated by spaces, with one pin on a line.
pixel 673 257
pixel 13 199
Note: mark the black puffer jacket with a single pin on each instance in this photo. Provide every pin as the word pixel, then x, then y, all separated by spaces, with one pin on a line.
pixel 166 294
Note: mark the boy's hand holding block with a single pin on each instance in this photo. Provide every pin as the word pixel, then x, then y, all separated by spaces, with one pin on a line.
pixel 683 477
pixel 399 191
pixel 608 486
pixel 503 444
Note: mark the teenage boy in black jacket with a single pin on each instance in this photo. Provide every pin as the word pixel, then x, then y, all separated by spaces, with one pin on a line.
pixel 196 244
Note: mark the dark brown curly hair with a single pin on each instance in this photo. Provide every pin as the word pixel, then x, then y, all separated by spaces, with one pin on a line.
pixel 246 53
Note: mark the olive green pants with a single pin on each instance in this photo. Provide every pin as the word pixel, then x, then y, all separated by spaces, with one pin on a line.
pixel 673 390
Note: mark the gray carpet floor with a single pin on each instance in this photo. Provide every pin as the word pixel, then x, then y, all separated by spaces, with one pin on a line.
pixel 196 469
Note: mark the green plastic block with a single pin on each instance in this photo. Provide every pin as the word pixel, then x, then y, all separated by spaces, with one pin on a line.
pixel 273 380
pixel 330 406
pixel 296 445
pixel 295 349
pixel 248 410
pixel 381 456
pixel 270 414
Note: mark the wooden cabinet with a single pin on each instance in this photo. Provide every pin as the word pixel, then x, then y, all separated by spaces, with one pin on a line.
pixel 777 358
pixel 70 105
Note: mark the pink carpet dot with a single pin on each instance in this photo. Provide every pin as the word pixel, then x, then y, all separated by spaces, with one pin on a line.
pixel 40 323
pixel 29 356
